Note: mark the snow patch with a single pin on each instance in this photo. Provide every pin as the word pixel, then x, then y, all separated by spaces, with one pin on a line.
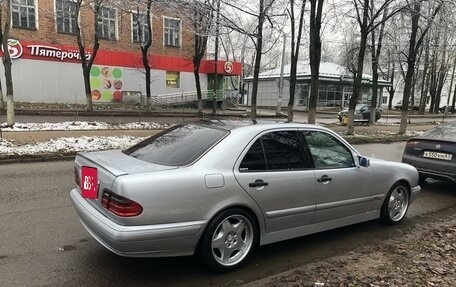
pixel 69 145
pixel 82 125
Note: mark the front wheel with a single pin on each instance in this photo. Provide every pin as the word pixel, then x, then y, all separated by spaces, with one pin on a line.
pixel 396 204
pixel 228 240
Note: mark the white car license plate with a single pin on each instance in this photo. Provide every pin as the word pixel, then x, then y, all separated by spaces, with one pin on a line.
pixel 438 155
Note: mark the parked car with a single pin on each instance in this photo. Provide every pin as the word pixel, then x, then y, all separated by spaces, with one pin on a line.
pixel 434 153
pixel 219 189
pixel 398 106
pixel 362 113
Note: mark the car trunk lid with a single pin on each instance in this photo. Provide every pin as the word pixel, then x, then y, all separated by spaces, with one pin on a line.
pixel 108 166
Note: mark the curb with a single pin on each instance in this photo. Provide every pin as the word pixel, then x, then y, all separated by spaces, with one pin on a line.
pixel 36 158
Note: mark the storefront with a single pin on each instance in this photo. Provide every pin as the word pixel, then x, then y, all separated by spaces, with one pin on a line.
pixel 335 89
pixel 53 74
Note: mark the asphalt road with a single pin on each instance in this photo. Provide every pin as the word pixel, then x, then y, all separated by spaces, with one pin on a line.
pixel 42 242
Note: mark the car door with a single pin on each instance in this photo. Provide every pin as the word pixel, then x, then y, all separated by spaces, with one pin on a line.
pixel 343 188
pixel 276 172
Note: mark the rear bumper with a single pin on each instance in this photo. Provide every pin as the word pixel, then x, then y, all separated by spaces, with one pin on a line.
pixel 439 170
pixel 437 174
pixel 174 239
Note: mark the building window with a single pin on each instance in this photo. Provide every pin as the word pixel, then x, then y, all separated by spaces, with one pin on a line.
pixel 172 30
pixel 384 100
pixel 66 16
pixel 172 79
pixel 107 23
pixel 23 14
pixel 140 30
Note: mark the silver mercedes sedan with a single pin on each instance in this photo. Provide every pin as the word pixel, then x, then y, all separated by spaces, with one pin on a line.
pixel 220 188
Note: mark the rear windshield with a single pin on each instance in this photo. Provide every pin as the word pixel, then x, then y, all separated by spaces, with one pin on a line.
pixel 177 146
pixel 446 131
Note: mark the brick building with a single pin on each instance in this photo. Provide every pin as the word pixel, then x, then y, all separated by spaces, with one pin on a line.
pixel 46 65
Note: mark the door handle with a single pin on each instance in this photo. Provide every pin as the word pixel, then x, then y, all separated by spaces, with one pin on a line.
pixel 258 183
pixel 324 178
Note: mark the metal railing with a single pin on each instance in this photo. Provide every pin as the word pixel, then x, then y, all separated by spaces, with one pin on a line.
pixel 177 99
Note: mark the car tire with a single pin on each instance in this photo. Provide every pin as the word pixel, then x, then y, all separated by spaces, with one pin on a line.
pixel 396 204
pixel 229 239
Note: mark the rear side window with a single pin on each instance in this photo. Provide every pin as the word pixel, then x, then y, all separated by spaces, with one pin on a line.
pixel 177 146
pixel 281 150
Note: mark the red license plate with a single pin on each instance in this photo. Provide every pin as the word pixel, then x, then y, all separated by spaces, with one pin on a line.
pixel 89 182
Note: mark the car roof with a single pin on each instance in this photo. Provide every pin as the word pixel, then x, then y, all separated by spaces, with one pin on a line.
pixel 231 125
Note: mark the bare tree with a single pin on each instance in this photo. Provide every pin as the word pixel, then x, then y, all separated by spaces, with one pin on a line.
pixel 295 44
pixel 145 39
pixel 202 23
pixel 441 55
pixel 263 13
pixel 367 23
pixel 87 61
pixel 417 35
pixel 376 49
pixel 7 64
pixel 316 8
pixel 390 74
pixel 451 85
pixel 425 78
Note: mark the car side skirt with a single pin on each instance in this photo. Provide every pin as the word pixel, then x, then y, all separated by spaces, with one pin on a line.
pixel 272 237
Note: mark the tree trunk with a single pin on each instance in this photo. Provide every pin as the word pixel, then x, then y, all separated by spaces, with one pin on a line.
pixel 391 90
pixel 376 50
pixel 315 57
pixel 414 45
pixel 451 83
pixel 411 60
pixel 87 88
pixel 295 44
pixel 145 60
pixel 453 104
pixel 10 114
pixel 7 64
pixel 259 52
pixel 372 118
pixel 391 96
pixel 145 51
pixel 198 90
pixel 2 102
pixel 424 82
pixel 359 72
pixel 87 63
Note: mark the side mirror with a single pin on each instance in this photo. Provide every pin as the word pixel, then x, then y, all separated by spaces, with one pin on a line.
pixel 363 161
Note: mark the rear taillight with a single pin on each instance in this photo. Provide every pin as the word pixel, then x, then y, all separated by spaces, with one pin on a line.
pixel 412 143
pixel 77 178
pixel 120 205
